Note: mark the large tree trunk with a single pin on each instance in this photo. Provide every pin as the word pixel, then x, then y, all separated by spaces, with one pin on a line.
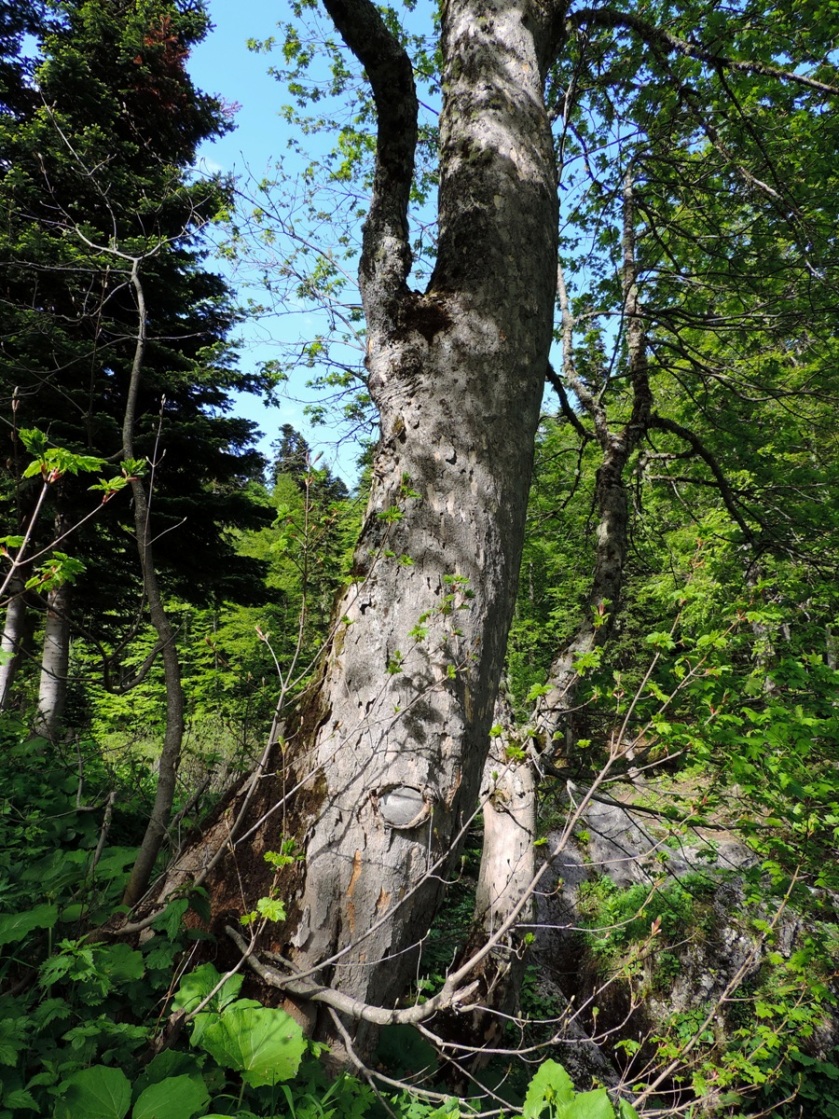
pixel 385 757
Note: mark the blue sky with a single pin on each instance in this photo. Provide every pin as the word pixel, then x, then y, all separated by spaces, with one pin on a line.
pixel 224 66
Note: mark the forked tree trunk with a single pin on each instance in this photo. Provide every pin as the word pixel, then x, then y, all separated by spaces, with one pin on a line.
pixel 385 757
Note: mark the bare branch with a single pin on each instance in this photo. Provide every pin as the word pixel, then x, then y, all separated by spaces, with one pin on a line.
pixel 699 448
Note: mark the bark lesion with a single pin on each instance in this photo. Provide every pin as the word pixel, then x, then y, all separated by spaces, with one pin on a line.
pixel 426 315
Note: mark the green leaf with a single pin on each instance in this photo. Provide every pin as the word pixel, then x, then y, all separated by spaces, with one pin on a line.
pixel 178 1097
pixel 197 985
pixel 536 692
pixel 272 909
pixel 587 1105
pixel 16 926
pixel 54 572
pixel 20 1099
pixel 549 1086
pixel 121 963
pixel 13 1038
pixel 265 1045
pixel 169 921
pixel 95 1093
pixel 33 440
pixel 627 1111
pixel 32 469
pixel 166 1066
pixel 661 640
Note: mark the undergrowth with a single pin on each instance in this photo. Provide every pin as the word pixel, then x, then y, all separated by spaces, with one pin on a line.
pixel 92 1027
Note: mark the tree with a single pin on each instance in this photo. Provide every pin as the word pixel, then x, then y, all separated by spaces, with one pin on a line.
pixel 371 788
pixel 16 21
pixel 116 334
pixel 403 705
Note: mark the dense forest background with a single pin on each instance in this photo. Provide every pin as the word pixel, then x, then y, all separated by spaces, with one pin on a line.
pixel 643 902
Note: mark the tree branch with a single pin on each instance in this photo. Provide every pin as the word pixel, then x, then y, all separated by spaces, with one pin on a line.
pixel 699 448
pixel 555 381
pixel 609 17
pixel 449 995
pixel 386 253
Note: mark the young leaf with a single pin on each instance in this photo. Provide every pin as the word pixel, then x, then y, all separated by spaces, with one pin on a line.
pixel 550 1086
pixel 33 440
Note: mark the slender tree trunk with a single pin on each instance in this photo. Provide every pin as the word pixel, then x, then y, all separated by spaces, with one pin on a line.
pixel 508 862
pixel 505 879
pixel 55 659
pixel 610 499
pixel 173 737
pixel 18 629
pixel 383 766
pixel 55 663
pixel 15 633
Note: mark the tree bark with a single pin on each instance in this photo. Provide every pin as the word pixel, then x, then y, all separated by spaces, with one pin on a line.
pixel 55 659
pixel 505 885
pixel 551 711
pixel 383 765
pixel 15 634
pixel 55 663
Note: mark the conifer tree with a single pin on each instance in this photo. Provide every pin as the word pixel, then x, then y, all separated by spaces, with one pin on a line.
pixel 97 173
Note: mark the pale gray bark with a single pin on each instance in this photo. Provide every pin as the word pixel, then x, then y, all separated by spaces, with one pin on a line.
pixel 610 500
pixel 504 893
pixel 457 375
pixel 55 663
pixel 15 632
pixel 387 751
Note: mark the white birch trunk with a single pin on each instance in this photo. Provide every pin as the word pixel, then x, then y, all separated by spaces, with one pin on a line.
pixel 55 663
pixel 12 641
